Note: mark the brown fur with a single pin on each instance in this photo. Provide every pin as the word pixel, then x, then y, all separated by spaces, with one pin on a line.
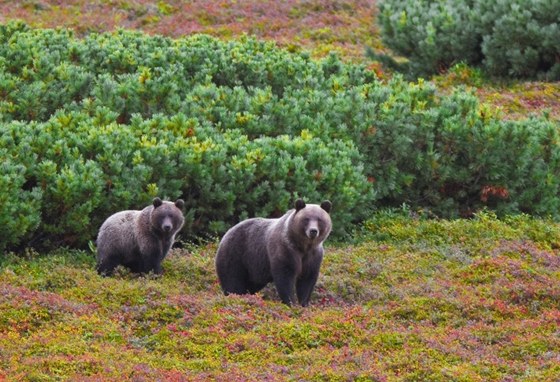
pixel 287 251
pixel 139 240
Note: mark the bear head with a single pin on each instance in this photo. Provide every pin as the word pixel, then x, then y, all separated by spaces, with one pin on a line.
pixel 312 222
pixel 167 217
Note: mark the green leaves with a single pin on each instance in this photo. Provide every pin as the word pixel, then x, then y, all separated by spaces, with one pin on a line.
pixel 85 172
pixel 434 35
pixel 240 129
pixel 19 203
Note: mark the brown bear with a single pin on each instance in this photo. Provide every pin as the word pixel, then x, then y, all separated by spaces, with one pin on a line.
pixel 139 240
pixel 287 251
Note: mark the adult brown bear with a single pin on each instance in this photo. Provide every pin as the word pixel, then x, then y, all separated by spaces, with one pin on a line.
pixel 139 240
pixel 287 251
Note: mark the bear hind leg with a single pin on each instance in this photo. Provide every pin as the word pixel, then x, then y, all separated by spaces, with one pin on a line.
pixel 234 283
pixel 107 266
pixel 236 287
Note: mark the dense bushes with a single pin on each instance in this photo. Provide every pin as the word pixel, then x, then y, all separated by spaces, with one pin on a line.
pixel 86 167
pixel 91 126
pixel 507 38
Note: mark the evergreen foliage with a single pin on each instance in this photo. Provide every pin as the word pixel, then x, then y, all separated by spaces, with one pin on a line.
pixel 87 167
pixel 239 129
pixel 507 38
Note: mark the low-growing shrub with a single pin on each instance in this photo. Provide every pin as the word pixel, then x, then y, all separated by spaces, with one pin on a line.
pixel 19 206
pixel 431 34
pixel 414 299
pixel 87 167
pixel 239 129
pixel 507 38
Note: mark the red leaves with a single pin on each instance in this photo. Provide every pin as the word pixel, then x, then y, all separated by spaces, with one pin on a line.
pixel 493 191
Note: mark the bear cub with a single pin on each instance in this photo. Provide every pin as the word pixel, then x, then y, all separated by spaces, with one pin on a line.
pixel 139 240
pixel 287 251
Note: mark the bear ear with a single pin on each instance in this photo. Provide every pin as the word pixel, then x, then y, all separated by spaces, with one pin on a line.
pixel 157 202
pixel 299 204
pixel 326 205
pixel 180 203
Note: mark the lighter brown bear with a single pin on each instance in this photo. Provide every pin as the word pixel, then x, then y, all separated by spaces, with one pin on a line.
pixel 139 240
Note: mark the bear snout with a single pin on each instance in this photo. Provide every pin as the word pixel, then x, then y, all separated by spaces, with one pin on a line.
pixel 313 233
pixel 167 225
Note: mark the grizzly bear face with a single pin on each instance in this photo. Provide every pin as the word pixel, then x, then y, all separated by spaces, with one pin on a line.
pixel 312 222
pixel 167 217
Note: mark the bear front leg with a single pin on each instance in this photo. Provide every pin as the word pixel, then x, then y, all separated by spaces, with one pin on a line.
pixel 284 277
pixel 306 282
pixel 285 288
pixel 153 264
pixel 151 258
pixel 304 288
pixel 158 270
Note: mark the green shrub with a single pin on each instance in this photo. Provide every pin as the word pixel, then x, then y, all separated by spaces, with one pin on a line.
pixel 238 129
pixel 87 167
pixel 451 155
pixel 507 38
pixel 521 38
pixel 433 35
pixel 19 206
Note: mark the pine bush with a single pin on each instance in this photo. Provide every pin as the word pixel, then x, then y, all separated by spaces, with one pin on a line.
pixel 433 35
pixel 507 38
pixel 521 38
pixel 238 129
pixel 85 168
pixel 19 206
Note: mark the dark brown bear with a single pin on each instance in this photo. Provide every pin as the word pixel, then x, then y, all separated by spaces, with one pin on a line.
pixel 287 251
pixel 139 240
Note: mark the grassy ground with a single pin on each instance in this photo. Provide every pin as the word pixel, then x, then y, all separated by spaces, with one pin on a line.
pixel 344 26
pixel 512 99
pixel 411 300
